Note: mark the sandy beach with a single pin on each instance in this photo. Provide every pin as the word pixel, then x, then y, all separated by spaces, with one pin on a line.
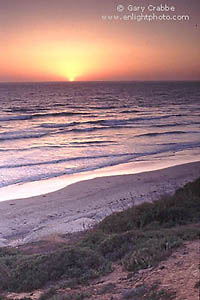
pixel 81 205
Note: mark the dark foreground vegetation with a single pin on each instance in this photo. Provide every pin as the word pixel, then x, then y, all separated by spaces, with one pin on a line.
pixel 137 238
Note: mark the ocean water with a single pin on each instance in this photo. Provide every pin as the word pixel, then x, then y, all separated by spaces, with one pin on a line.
pixel 48 130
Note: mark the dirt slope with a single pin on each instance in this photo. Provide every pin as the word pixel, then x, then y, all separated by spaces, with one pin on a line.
pixel 179 274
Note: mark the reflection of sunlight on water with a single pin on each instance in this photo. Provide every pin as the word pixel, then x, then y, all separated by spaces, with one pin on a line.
pixel 36 188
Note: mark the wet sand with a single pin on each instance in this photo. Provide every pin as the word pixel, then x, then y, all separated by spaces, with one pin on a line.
pixel 81 205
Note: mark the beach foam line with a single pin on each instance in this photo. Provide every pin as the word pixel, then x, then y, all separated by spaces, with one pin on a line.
pixel 41 187
pixel 86 203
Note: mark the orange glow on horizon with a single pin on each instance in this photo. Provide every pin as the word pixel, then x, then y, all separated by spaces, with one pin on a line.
pixel 59 54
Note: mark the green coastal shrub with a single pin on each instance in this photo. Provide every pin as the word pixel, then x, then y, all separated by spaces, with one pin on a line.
pixel 150 252
pixel 92 239
pixel 181 208
pixel 115 246
pixel 34 271
pixel 146 292
pixel 137 238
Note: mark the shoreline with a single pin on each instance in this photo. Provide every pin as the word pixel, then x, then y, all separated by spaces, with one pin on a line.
pixel 83 204
pixel 46 186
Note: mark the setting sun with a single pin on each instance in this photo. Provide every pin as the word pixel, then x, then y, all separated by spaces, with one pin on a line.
pixel 81 46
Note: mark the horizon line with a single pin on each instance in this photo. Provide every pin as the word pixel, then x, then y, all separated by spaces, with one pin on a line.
pixel 90 81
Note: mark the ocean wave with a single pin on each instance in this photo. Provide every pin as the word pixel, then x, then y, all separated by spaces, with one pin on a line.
pixel 118 121
pixel 65 125
pixel 128 156
pixel 49 175
pixel 102 107
pixel 7 136
pixel 56 161
pixel 94 126
pixel 25 109
pixel 93 129
pixel 169 125
pixel 30 148
pixel 93 143
pixel 152 134
pixel 59 125
pixel 87 129
pixel 59 105
pixel 57 118
pixel 103 122
pixel 32 135
pixel 118 159
pixel 115 122
pixel 34 116
pixel 130 111
pixel 175 124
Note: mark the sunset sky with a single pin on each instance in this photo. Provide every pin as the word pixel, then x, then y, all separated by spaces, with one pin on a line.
pixel 50 40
